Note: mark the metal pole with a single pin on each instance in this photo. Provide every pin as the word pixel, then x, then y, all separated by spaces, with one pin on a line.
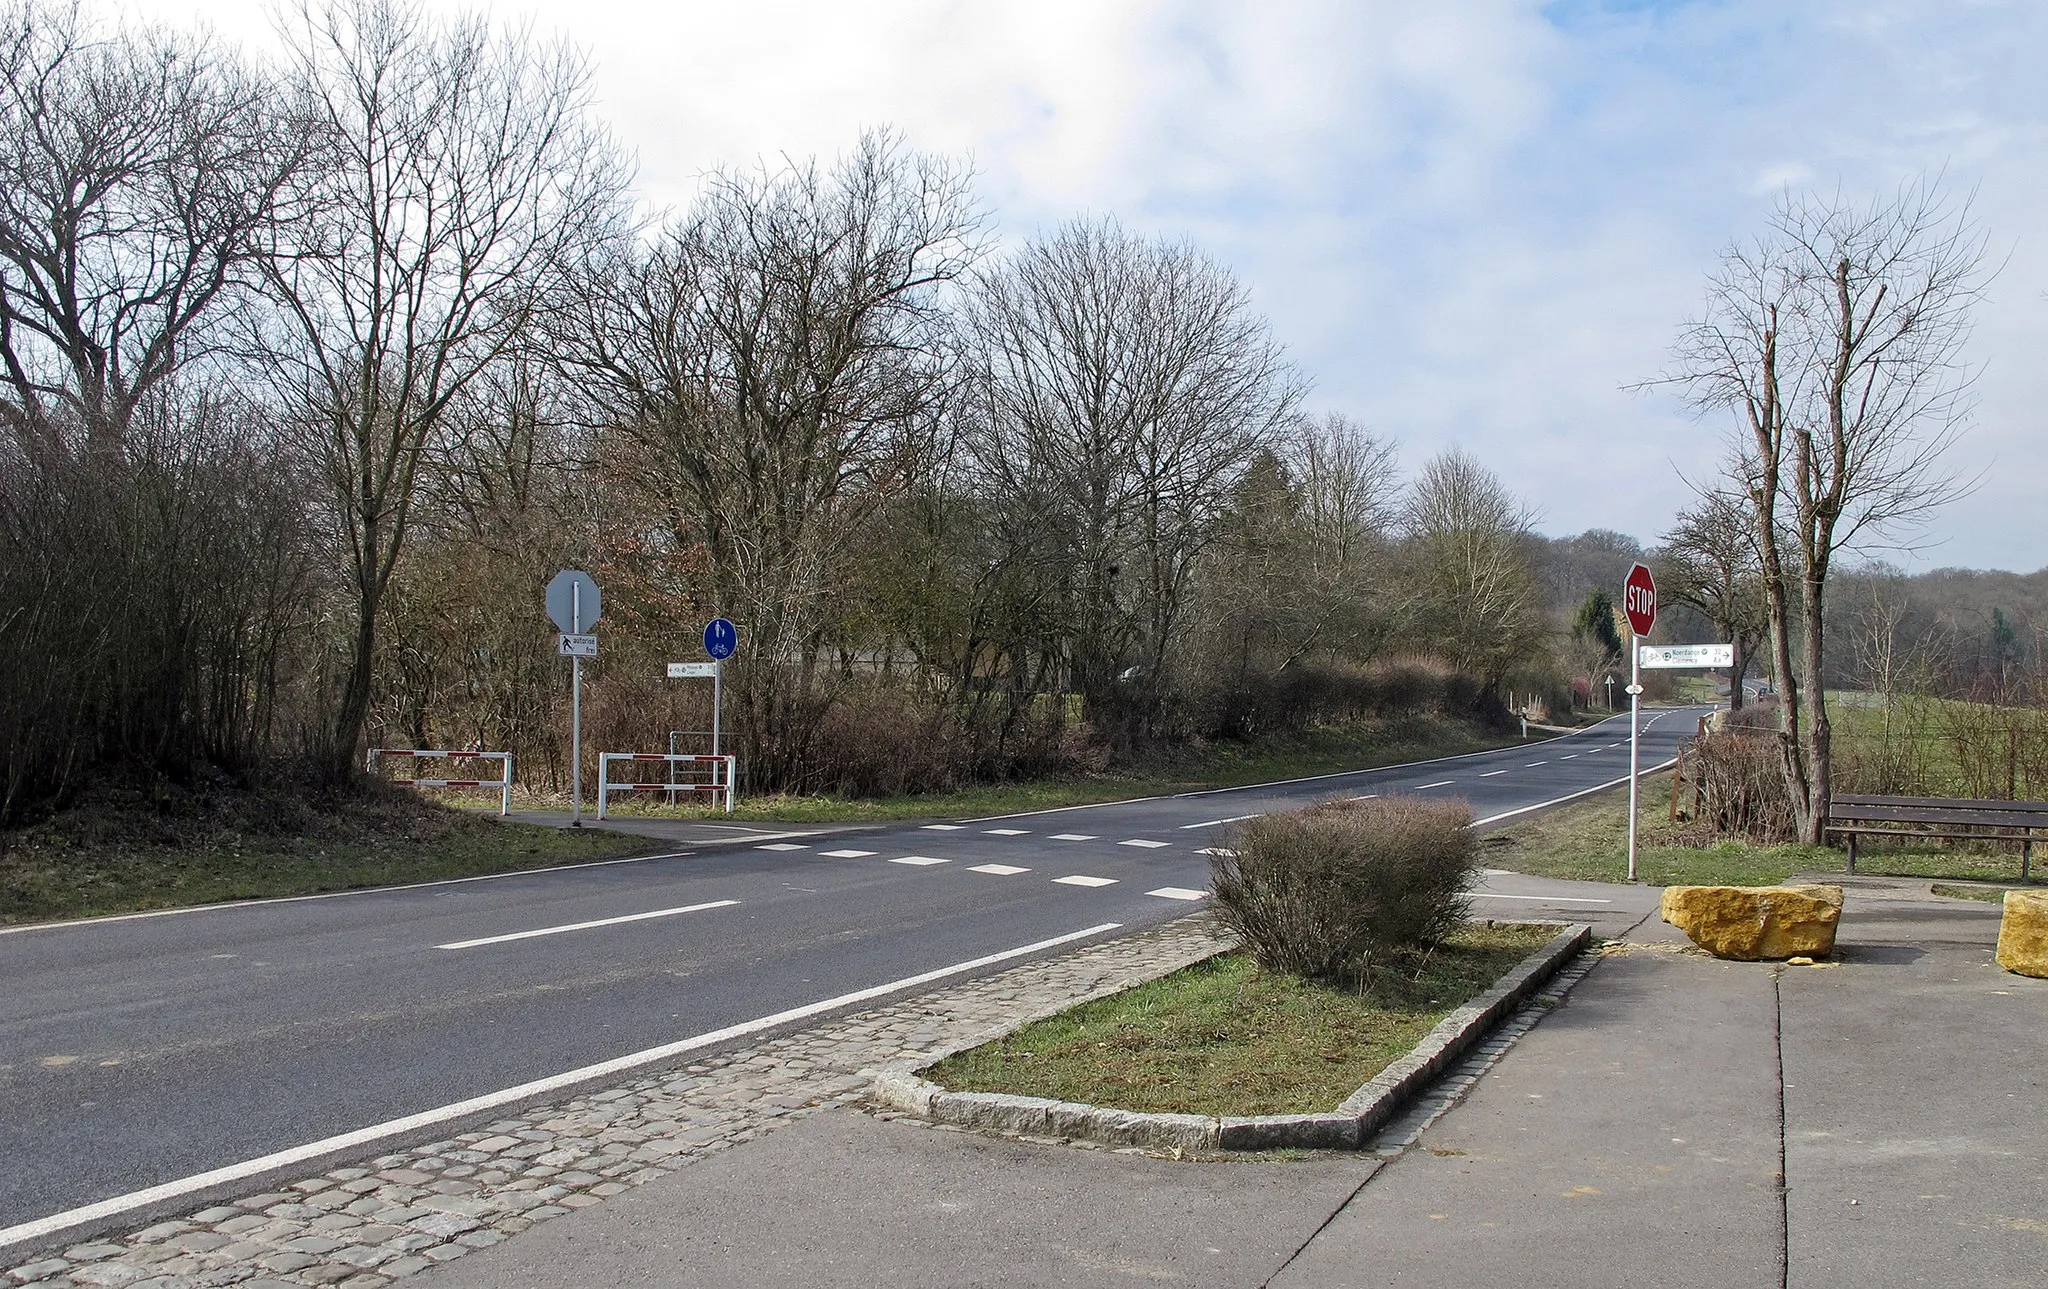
pixel 1635 740
pixel 576 713
pixel 717 698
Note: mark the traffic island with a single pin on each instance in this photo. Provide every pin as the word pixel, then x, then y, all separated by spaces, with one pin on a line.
pixel 1753 923
pixel 1347 1126
pixel 2023 934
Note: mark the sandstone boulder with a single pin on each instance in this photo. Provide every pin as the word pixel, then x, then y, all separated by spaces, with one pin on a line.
pixel 1753 922
pixel 2023 934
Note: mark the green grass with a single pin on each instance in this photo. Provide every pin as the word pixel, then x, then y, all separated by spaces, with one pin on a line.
pixel 1988 894
pixel 1222 1038
pixel 1214 765
pixel 126 853
pixel 1588 840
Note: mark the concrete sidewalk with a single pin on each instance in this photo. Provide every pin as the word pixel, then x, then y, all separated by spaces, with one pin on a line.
pixel 1633 1138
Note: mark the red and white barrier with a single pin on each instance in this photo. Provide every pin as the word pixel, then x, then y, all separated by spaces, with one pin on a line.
pixel 721 771
pixel 503 783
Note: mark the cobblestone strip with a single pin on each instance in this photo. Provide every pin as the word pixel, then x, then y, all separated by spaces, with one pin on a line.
pixel 1406 1128
pixel 365 1226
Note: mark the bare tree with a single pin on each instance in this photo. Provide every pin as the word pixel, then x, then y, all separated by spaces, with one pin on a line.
pixel 138 173
pixel 1710 561
pixel 779 360
pixel 1122 385
pixel 1475 588
pixel 1836 337
pixel 454 172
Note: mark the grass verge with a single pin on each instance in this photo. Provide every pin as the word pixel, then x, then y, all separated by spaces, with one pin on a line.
pixel 1988 894
pixel 1222 1038
pixel 1213 765
pixel 127 852
pixel 1588 840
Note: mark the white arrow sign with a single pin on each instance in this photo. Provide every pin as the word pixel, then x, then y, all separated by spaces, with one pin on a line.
pixel 692 670
pixel 1677 657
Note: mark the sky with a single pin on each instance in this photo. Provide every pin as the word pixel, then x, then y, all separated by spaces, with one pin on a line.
pixel 1472 222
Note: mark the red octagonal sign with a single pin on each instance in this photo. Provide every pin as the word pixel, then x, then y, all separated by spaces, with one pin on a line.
pixel 1639 600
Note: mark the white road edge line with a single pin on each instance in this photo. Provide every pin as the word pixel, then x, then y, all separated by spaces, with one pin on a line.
pixel 585 926
pixel 43 1227
pixel 367 890
pixel 1234 819
pixel 1570 796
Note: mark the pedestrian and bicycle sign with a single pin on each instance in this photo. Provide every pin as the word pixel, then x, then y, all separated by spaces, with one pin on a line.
pixel 576 646
pixel 721 638
pixel 574 602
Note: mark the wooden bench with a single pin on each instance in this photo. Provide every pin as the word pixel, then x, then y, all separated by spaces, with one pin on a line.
pixel 1938 818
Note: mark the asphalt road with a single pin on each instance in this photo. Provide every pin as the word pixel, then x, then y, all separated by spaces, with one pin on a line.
pixel 136 1051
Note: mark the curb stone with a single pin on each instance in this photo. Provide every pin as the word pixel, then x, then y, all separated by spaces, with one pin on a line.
pixel 1350 1125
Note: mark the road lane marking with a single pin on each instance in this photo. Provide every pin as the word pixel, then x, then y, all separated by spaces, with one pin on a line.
pixel 846 854
pixel 1007 832
pixel 1079 880
pixel 1000 870
pixel 1440 783
pixel 1533 764
pixel 1073 836
pixel 920 861
pixel 782 845
pixel 567 927
pixel 1573 757
pixel 1178 893
pixel 944 827
pixel 1490 773
pixel 43 1227
pixel 1547 899
pixel 1570 796
pixel 1234 819
pixel 1145 842
pixel 1214 850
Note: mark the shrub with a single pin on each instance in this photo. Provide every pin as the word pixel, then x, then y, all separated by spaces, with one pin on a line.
pixel 1742 785
pixel 1323 891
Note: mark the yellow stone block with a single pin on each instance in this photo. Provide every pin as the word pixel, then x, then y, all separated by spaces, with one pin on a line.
pixel 1753 922
pixel 2023 934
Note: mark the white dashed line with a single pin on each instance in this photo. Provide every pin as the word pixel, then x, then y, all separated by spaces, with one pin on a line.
pixel 782 845
pixel 1533 764
pixel 1490 773
pixel 1146 842
pixel 846 854
pixel 1234 819
pixel 944 827
pixel 920 860
pixel 1178 893
pixel 1000 870
pixel 1440 783
pixel 1007 832
pixel 1569 757
pixel 1073 836
pixel 585 926
pixel 1078 880
pixel 1214 850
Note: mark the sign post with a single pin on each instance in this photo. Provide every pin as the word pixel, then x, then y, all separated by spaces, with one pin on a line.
pixel 1639 603
pixel 574 603
pixel 721 638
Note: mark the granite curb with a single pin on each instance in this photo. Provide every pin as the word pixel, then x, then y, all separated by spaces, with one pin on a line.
pixel 1347 1127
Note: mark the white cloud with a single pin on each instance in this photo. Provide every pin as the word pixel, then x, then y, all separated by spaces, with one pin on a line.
pixel 1473 221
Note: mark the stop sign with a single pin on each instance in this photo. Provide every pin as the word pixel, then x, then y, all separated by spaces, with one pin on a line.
pixel 1639 600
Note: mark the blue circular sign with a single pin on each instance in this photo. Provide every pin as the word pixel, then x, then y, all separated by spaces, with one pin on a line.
pixel 721 637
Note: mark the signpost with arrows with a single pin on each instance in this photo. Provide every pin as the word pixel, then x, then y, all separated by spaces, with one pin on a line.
pixel 1639 604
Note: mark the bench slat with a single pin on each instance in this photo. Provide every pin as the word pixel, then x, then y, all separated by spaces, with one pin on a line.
pixel 1940 803
pixel 1957 818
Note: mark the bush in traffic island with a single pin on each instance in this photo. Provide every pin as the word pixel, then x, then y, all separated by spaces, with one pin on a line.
pixel 1329 890
pixel 2023 934
pixel 1750 923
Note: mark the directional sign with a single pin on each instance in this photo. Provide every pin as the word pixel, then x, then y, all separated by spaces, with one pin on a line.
pixel 692 670
pixel 1639 600
pixel 573 601
pixel 1683 656
pixel 576 646
pixel 721 637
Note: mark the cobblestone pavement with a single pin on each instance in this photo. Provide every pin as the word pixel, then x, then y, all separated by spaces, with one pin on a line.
pixel 395 1215
pixel 370 1224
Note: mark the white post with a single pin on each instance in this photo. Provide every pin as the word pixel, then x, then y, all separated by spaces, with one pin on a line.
pixel 1635 738
pixel 731 765
pixel 576 716
pixel 505 798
